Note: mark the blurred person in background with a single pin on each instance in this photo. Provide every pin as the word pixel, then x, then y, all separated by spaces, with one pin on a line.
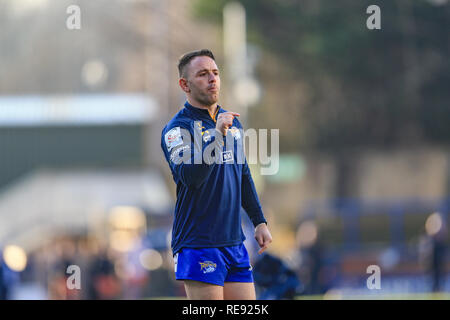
pixel 162 282
pixel 207 237
pixel 9 279
pixel 313 256
pixel 61 255
pixel 3 284
pixel 433 249
pixel 274 279
pixel 311 252
pixel 438 262
pixel 104 282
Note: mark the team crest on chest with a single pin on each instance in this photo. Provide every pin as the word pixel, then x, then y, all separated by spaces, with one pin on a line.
pixel 235 132
pixel 206 136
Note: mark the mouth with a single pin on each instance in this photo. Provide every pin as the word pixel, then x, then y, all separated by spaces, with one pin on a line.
pixel 213 89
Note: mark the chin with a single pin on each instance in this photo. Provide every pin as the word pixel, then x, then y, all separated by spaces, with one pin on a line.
pixel 213 100
pixel 209 100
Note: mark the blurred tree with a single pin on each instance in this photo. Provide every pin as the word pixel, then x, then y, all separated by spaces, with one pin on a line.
pixel 344 85
pixel 122 46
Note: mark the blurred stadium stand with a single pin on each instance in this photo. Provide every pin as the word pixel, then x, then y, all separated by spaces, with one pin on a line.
pixel 47 202
pixel 64 131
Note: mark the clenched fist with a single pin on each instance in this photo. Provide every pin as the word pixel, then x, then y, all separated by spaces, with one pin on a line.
pixel 224 121
pixel 263 237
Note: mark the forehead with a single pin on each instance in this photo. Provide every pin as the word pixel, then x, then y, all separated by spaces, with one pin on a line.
pixel 201 63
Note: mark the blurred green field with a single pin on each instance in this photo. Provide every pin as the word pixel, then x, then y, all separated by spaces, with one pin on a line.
pixel 398 296
pixel 337 296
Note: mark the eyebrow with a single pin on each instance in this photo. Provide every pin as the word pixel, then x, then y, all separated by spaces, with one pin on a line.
pixel 203 70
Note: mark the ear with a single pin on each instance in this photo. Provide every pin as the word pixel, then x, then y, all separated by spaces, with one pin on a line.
pixel 184 85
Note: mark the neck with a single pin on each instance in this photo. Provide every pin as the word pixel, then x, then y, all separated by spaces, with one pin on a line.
pixel 211 108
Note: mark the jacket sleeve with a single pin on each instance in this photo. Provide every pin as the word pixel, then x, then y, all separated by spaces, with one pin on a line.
pixel 250 201
pixel 184 150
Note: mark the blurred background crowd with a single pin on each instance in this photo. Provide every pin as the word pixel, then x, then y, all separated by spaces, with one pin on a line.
pixel 364 157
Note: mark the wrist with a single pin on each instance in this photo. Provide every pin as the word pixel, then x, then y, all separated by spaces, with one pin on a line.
pixel 219 131
pixel 261 224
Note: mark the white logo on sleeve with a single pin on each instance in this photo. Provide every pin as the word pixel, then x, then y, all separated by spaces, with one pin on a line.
pixel 173 138
pixel 175 155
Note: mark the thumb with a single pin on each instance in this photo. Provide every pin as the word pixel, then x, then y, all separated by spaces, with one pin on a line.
pixel 263 248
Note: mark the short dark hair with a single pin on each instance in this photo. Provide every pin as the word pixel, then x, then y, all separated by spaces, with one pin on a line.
pixel 186 58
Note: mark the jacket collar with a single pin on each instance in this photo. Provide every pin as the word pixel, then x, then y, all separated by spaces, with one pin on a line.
pixel 202 112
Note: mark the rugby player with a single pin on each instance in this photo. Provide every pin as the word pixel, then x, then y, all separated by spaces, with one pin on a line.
pixel 207 236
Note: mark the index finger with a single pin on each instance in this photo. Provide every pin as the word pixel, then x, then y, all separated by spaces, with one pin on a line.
pixel 234 113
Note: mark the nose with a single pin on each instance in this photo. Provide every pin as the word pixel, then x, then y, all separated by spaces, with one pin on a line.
pixel 212 77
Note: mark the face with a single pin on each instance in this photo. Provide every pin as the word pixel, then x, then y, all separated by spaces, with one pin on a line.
pixel 202 82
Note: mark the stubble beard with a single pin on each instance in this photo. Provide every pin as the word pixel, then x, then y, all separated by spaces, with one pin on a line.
pixel 207 99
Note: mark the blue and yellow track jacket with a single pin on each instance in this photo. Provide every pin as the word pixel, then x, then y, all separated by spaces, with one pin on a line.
pixel 213 180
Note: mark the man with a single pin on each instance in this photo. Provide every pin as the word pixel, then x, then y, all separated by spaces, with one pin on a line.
pixel 213 183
